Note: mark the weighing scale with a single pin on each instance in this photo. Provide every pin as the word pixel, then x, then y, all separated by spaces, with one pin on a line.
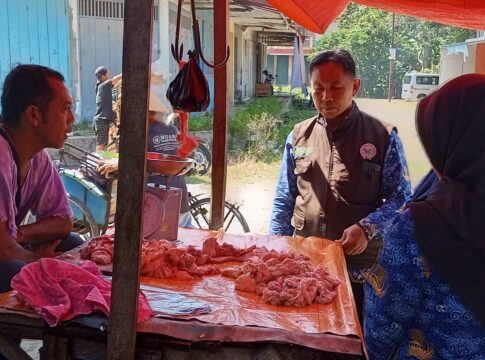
pixel 161 206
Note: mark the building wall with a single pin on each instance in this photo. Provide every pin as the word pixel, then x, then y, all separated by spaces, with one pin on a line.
pixel 100 38
pixel 76 36
pixel 282 69
pixel 455 64
pixel 480 58
pixel 35 32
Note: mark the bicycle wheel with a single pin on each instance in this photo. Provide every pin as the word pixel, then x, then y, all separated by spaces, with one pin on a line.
pixel 83 221
pixel 234 221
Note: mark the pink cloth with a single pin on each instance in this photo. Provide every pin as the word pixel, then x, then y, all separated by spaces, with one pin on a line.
pixel 59 291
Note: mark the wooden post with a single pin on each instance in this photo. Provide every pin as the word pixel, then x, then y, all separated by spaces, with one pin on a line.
pixel 221 110
pixel 137 40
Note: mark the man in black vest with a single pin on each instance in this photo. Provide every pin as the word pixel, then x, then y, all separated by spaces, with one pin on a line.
pixel 343 173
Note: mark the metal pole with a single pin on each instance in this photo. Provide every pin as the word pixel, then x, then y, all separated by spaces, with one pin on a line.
pixel 391 60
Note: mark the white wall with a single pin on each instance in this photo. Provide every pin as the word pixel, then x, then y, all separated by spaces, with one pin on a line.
pixel 456 64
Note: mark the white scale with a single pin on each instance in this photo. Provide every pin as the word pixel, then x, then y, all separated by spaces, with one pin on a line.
pixel 161 207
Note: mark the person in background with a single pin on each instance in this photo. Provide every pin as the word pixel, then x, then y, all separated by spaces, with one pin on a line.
pixel 162 138
pixel 343 173
pixel 36 114
pixel 424 296
pixel 104 115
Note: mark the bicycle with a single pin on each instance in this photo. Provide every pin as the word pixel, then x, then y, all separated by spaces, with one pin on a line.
pixel 234 221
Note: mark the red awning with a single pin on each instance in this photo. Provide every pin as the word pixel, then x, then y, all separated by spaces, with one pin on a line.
pixel 316 15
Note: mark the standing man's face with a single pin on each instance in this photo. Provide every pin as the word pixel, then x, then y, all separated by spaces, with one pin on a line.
pixel 333 89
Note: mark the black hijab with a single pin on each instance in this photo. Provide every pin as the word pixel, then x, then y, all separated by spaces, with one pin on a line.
pixel 449 212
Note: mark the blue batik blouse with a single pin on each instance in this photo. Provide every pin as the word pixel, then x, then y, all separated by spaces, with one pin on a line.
pixel 410 313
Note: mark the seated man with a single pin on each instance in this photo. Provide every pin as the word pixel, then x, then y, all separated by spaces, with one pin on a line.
pixel 36 114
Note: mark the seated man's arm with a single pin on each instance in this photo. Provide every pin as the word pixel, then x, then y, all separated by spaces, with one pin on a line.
pixel 45 230
pixel 11 249
pixel 285 196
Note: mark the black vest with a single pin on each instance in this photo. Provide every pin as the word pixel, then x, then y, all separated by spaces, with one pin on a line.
pixel 339 176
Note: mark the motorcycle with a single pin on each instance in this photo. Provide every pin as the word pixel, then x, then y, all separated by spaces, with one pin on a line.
pixel 269 79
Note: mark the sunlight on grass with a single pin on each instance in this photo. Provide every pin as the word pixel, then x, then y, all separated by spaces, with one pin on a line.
pixel 247 171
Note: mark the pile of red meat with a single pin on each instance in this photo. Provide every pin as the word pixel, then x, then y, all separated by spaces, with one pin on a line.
pixel 285 278
pixel 282 278
pixel 160 258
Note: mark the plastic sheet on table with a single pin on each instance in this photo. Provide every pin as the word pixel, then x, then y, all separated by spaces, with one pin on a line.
pixel 233 307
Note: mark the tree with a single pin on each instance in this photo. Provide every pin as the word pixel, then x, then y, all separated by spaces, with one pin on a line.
pixel 366 33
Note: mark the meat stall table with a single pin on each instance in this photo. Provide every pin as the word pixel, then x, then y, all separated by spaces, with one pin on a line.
pixel 239 324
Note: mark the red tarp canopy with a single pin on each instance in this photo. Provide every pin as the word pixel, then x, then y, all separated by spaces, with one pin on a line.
pixel 316 15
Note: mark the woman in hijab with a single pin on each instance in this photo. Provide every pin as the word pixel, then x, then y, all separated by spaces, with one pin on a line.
pixel 425 297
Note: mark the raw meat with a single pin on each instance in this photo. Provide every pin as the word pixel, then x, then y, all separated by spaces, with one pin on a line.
pixel 281 278
pixel 287 278
pixel 100 250
pixel 160 258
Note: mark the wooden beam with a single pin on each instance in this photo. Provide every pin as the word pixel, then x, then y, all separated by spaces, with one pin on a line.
pixel 137 40
pixel 10 349
pixel 55 347
pixel 221 110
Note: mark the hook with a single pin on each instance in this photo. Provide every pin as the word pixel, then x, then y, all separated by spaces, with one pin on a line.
pixel 176 51
pixel 198 46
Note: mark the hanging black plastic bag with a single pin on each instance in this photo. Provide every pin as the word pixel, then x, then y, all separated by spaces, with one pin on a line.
pixel 189 91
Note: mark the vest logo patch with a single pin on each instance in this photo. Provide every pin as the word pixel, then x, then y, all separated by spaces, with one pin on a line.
pixel 368 151
pixel 300 151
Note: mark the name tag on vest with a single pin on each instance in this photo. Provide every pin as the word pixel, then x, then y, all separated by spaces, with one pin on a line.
pixel 371 167
pixel 300 151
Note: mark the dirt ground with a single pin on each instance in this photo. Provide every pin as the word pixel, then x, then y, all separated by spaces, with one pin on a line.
pixel 256 195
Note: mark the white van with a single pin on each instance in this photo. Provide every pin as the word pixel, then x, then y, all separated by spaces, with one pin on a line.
pixel 416 85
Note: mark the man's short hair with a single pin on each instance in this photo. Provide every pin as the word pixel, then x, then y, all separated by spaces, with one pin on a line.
pixel 26 85
pixel 340 56
pixel 100 71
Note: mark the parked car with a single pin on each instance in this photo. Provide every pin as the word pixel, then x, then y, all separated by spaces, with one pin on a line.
pixel 417 85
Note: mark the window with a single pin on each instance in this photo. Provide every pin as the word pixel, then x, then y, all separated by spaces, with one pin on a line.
pixel 407 80
pixel 106 9
pixel 427 80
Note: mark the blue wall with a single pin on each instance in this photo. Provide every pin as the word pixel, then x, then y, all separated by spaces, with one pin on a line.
pixel 35 32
